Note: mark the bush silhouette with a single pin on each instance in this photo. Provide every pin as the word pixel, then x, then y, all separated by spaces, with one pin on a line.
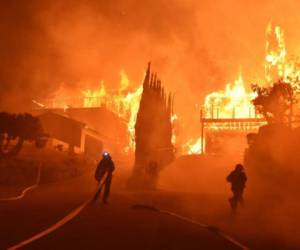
pixel 17 128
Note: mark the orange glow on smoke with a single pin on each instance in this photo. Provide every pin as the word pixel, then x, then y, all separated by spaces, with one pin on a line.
pixel 235 101
pixel 123 102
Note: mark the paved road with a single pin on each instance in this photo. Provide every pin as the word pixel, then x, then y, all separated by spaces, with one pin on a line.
pixel 117 226
pixel 114 226
pixel 39 209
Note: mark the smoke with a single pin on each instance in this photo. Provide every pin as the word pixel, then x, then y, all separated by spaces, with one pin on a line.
pixel 196 47
pixel 197 187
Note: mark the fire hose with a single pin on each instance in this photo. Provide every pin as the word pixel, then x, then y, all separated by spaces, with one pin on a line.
pixel 75 212
pixel 61 222
pixel 212 229
pixel 24 191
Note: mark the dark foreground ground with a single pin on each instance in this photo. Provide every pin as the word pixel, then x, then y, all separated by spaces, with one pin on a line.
pixel 117 225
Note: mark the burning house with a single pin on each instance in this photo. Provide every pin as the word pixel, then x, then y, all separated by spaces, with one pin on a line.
pixel 112 113
pixel 229 115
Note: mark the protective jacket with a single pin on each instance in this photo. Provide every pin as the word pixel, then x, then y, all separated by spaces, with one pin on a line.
pixel 237 179
pixel 106 165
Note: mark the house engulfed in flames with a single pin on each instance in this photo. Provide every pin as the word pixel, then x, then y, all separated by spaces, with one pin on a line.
pixel 109 114
pixel 227 115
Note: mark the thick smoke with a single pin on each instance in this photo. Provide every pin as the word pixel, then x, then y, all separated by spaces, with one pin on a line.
pixel 196 46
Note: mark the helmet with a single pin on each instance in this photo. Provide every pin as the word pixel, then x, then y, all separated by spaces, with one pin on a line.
pixel 105 154
pixel 239 167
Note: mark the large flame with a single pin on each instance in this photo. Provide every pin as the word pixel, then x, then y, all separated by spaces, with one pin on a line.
pixel 235 101
pixel 275 53
pixel 94 98
pixel 232 102
pixel 124 103
pixel 277 64
pixel 130 105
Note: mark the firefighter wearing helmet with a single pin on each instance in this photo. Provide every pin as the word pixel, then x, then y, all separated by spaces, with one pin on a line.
pixel 104 176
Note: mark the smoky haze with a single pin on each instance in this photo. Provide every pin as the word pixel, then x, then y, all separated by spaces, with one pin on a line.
pixel 196 47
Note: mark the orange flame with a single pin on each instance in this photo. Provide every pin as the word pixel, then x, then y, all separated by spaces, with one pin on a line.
pixel 193 146
pixel 94 98
pixel 277 65
pixel 233 102
pixel 124 105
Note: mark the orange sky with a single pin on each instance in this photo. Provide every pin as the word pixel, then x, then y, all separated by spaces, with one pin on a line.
pixel 195 46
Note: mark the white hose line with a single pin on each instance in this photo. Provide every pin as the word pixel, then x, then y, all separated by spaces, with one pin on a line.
pixel 58 224
pixel 24 191
pixel 54 227
pixel 210 228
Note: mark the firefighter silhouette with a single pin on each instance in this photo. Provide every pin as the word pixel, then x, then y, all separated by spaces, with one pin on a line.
pixel 104 176
pixel 238 179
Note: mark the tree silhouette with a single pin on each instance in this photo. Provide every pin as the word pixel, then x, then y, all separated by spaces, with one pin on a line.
pixel 275 103
pixel 17 128
pixel 153 128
